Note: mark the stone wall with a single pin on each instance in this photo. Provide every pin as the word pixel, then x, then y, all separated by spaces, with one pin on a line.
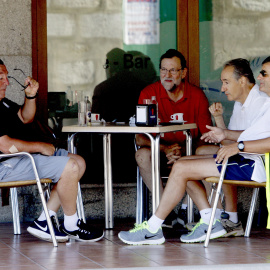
pixel 80 33
pixel 16 43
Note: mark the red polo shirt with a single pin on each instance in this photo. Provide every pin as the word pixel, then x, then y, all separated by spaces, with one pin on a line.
pixel 194 105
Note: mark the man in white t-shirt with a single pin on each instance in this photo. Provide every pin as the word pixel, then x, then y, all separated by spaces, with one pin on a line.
pixel 185 170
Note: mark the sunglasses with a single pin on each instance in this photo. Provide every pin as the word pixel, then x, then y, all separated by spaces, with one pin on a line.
pixel 263 73
pixel 23 86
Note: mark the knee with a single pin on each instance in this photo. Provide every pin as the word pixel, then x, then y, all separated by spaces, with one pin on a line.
pixel 143 157
pixel 206 150
pixel 72 168
pixel 180 169
pixel 81 163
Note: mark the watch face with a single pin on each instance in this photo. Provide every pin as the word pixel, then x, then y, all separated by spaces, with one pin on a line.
pixel 241 146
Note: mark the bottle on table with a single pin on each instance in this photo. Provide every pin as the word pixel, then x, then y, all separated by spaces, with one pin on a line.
pixel 81 113
pixel 88 110
pixel 154 101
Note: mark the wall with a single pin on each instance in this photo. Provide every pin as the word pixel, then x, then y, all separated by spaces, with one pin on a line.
pixel 16 43
pixel 80 33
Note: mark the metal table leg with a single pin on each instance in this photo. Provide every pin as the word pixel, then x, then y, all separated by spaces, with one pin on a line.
pixel 157 167
pixel 72 149
pixel 108 190
pixel 154 181
pixel 190 214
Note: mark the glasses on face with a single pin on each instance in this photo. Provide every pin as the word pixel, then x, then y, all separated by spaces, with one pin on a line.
pixel 263 73
pixel 106 65
pixel 23 86
pixel 173 71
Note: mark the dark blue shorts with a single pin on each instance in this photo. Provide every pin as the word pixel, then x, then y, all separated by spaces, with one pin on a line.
pixel 238 168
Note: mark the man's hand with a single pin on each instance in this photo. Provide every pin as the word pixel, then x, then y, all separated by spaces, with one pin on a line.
pixel 227 151
pixel 173 153
pixel 216 109
pixel 32 88
pixel 46 149
pixel 215 135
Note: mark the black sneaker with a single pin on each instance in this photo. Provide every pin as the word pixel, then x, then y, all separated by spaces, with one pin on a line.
pixel 41 230
pixel 182 217
pixel 85 233
pixel 170 221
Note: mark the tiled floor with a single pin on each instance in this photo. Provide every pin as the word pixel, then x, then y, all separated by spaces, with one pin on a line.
pixel 27 252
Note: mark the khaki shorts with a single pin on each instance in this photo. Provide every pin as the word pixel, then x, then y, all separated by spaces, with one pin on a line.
pixel 20 168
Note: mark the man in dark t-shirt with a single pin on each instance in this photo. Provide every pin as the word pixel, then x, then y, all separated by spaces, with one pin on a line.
pixel 65 169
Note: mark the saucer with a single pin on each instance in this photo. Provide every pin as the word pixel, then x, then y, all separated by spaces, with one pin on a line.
pixel 177 122
pixel 96 123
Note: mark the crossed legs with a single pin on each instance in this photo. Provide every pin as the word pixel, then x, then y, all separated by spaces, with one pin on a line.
pixel 64 193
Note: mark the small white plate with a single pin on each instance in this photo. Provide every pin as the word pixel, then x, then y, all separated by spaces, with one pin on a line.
pixel 176 122
pixel 96 123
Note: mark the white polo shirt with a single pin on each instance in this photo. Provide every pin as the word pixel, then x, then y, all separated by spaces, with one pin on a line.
pixel 260 129
pixel 244 114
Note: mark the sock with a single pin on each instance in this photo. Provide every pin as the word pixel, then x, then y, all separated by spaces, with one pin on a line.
pixel 184 206
pixel 233 216
pixel 42 216
pixel 154 223
pixel 218 213
pixel 70 222
pixel 206 215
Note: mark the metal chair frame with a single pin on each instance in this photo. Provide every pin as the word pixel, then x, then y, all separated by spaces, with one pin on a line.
pixel 14 198
pixel 253 184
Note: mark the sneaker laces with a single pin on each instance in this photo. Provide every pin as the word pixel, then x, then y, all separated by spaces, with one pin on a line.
pixel 138 227
pixel 196 226
pixel 83 227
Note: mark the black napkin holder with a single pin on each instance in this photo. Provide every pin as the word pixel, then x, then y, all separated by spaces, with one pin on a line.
pixel 146 115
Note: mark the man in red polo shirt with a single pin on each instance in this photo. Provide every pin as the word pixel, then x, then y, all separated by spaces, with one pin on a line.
pixel 174 95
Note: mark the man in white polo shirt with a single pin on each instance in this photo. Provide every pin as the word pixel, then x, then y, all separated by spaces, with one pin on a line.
pixel 238 84
pixel 256 138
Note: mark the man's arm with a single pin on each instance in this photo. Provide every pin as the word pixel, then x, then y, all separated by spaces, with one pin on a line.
pixel 28 111
pixel 10 145
pixel 216 110
pixel 258 146
pixel 216 135
pixel 172 151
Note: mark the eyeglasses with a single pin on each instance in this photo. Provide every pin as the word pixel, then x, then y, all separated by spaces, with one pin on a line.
pixel 263 73
pixel 173 71
pixel 106 65
pixel 23 86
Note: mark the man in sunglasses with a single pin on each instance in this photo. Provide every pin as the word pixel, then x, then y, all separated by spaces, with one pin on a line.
pixel 174 95
pixel 65 169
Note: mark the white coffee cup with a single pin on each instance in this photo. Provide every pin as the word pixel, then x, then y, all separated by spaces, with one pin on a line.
pixel 177 117
pixel 95 117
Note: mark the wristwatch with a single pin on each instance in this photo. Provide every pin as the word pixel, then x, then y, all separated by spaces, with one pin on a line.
pixel 241 146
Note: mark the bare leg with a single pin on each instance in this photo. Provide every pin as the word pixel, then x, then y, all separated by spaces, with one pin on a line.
pixel 230 193
pixel 65 191
pixel 182 172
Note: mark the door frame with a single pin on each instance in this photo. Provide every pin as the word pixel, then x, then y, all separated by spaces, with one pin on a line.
pixel 188 37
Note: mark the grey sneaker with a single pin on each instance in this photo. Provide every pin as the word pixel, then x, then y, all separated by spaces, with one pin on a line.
pixel 198 234
pixel 233 229
pixel 141 235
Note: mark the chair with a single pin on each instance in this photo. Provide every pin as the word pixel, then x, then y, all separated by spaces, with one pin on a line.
pixel 220 180
pixel 14 200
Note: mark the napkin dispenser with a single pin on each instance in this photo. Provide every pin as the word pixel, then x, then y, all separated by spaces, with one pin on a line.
pixel 146 115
